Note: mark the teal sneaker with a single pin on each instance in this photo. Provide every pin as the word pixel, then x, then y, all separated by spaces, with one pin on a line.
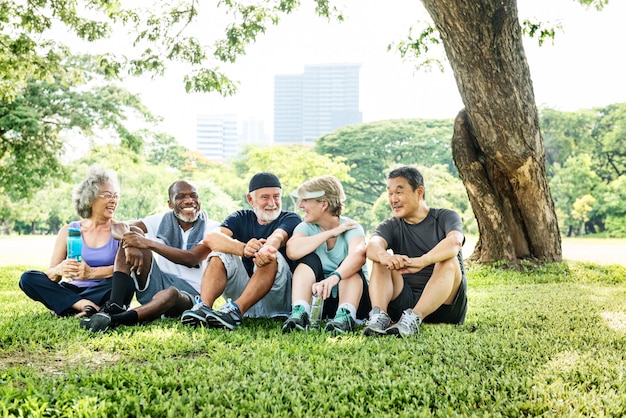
pixel 341 323
pixel 297 321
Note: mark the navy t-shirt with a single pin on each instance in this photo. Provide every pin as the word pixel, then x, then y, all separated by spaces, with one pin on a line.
pixel 245 226
pixel 415 240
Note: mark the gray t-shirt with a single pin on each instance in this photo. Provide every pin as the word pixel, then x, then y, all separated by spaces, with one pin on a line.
pixel 415 240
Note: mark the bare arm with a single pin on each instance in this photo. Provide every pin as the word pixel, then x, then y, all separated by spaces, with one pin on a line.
pixel 59 256
pixel 348 269
pixel 300 244
pixel 377 252
pixel 189 258
pixel 267 252
pixel 222 240
pixel 446 249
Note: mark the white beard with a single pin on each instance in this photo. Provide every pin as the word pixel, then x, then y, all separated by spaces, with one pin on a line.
pixel 187 219
pixel 264 216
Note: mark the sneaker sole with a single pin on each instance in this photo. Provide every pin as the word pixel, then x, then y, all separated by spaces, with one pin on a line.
pixel 335 329
pixel 192 319
pixel 217 322
pixel 369 332
pixel 396 332
pixel 292 326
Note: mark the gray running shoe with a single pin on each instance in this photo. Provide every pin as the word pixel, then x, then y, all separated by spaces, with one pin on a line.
pixel 377 323
pixel 408 324
pixel 341 323
pixel 229 317
pixel 196 315
pixel 299 320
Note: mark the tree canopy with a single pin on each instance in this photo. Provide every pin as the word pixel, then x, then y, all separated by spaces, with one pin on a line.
pixel 497 144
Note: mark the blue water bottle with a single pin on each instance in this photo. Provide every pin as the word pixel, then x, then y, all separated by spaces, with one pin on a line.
pixel 74 244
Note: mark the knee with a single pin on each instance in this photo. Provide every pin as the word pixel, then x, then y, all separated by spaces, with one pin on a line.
pixel 167 297
pixel 448 268
pixel 30 278
pixel 379 271
pixel 217 262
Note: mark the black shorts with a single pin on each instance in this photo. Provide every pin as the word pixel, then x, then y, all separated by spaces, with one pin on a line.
pixel 332 303
pixel 449 314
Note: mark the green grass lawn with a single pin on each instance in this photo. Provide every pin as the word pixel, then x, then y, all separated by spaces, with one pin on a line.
pixel 551 342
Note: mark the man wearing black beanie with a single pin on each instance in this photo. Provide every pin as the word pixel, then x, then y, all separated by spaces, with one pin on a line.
pixel 248 265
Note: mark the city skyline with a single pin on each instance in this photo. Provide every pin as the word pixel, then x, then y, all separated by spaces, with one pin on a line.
pixel 581 70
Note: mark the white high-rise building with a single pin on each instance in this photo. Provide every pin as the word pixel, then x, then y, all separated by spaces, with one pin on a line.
pixel 320 100
pixel 216 136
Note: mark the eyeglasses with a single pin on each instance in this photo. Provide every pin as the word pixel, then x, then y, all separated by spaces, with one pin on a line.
pixel 110 197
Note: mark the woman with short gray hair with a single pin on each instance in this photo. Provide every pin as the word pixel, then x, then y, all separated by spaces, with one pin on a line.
pixel 73 286
pixel 330 250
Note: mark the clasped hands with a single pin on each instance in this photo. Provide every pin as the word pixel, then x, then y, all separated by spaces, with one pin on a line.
pixel 261 253
pixel 403 264
pixel 132 243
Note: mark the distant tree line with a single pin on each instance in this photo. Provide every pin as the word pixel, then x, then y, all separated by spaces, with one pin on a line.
pixel 585 164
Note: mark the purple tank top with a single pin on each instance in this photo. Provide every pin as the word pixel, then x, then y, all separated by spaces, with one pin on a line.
pixel 96 257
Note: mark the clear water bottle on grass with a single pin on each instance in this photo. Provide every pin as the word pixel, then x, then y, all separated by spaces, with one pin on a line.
pixel 74 244
pixel 317 306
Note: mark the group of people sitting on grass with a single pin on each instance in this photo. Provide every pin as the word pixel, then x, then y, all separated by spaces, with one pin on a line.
pixel 262 261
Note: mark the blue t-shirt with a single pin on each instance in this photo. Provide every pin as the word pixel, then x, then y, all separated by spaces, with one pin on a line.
pixel 331 259
pixel 245 226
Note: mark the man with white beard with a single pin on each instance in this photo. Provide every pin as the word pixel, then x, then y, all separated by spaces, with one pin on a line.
pixel 248 266
pixel 164 256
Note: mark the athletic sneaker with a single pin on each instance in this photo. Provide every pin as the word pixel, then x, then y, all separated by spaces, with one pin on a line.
pixel 409 324
pixel 102 321
pixel 196 315
pixel 377 323
pixel 229 316
pixel 299 320
pixel 342 322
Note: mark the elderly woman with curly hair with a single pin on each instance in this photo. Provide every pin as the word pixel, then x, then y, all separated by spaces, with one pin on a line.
pixel 70 286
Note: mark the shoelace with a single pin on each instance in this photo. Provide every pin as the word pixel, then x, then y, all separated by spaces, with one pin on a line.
pixel 228 307
pixel 342 316
pixel 410 322
pixel 379 319
pixel 298 312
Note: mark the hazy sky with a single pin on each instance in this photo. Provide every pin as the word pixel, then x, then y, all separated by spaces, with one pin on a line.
pixel 582 69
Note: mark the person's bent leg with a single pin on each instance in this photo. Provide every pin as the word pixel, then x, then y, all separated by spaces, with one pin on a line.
pixel 384 286
pixel 302 282
pixel 214 279
pixel 124 282
pixel 169 302
pixel 58 297
pixel 223 270
pixel 259 285
pixel 441 288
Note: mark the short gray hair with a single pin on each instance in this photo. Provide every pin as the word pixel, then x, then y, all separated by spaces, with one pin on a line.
pixel 86 192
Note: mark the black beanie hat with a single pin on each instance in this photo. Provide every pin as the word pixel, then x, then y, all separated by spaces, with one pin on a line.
pixel 263 179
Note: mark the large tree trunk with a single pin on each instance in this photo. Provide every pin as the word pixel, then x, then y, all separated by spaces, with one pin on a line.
pixel 497 145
